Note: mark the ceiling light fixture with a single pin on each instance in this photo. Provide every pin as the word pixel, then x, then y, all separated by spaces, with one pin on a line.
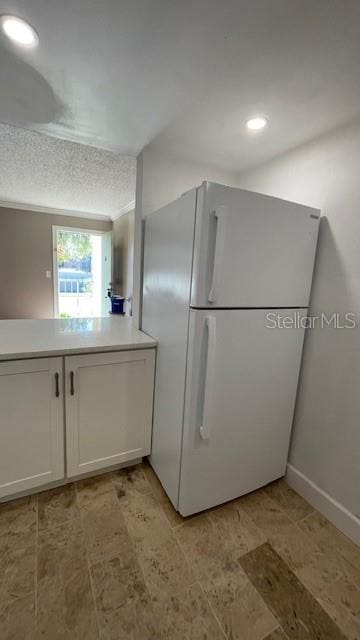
pixel 19 31
pixel 257 123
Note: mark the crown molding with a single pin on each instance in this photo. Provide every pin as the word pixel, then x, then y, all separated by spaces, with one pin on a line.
pixel 129 207
pixel 33 208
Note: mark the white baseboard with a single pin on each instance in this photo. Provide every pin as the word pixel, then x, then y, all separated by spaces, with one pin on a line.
pixel 343 519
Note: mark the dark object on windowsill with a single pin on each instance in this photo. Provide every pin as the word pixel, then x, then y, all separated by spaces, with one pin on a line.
pixel 117 304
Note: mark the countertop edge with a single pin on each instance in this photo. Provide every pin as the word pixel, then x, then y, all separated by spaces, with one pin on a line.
pixel 52 353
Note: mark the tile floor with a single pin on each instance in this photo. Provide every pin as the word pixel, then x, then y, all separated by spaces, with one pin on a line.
pixel 109 558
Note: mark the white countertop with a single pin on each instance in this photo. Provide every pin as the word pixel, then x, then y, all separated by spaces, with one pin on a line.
pixel 41 338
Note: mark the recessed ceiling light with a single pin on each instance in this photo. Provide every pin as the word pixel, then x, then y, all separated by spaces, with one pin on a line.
pixel 257 123
pixel 19 31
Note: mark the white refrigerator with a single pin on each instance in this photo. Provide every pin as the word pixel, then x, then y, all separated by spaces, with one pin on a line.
pixel 224 270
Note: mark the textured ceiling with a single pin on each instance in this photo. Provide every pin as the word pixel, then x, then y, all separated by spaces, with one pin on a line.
pixel 41 171
pixel 119 74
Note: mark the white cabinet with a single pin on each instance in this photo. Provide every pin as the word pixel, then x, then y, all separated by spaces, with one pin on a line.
pixel 31 424
pixel 109 399
pixel 108 416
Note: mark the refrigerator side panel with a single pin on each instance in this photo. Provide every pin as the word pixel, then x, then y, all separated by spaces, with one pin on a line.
pixel 168 249
pixel 252 250
pixel 240 397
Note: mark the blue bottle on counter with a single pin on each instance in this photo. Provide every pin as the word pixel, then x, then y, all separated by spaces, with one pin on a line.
pixel 117 304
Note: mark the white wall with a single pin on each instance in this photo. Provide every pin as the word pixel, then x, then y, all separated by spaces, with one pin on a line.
pixel 326 439
pixel 165 178
pixel 159 180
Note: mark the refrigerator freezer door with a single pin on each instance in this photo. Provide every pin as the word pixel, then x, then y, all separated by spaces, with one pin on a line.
pixel 240 395
pixel 169 236
pixel 251 250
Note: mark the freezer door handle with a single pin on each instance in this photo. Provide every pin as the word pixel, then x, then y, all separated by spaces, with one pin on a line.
pixel 205 428
pixel 220 217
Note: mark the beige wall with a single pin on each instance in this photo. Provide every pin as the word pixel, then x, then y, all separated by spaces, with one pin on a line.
pixel 123 253
pixel 326 438
pixel 25 255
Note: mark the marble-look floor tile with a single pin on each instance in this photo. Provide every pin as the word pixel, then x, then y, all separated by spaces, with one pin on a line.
pixel 17 578
pixel 174 518
pixel 131 620
pixel 162 561
pixel 17 533
pixel 118 538
pixel 318 572
pixel 333 542
pixel 65 604
pixel 164 566
pixel 17 619
pixel 315 569
pixel 205 548
pixel 105 531
pixel 295 507
pixel 187 616
pixel 143 516
pixel 238 606
pixel 91 488
pixel 116 581
pixel 17 548
pixel 131 479
pixel 57 506
pixel 235 525
pixel 342 602
pixel 265 512
pixel 293 545
pixel 351 628
pixel 13 540
pixel 18 515
pixel 327 537
pixel 278 634
pixel 298 612
pixel 60 552
pixel 67 613
pixel 347 595
pixel 122 600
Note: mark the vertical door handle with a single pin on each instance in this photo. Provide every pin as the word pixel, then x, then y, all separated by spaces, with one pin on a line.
pixel 220 217
pixel 72 389
pixel 57 392
pixel 205 428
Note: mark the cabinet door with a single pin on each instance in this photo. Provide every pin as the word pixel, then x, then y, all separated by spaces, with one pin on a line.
pixel 109 399
pixel 32 424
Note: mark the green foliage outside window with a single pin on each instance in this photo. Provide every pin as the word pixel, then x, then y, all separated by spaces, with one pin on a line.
pixel 73 246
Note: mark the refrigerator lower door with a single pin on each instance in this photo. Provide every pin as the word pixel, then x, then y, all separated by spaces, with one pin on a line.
pixel 242 376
